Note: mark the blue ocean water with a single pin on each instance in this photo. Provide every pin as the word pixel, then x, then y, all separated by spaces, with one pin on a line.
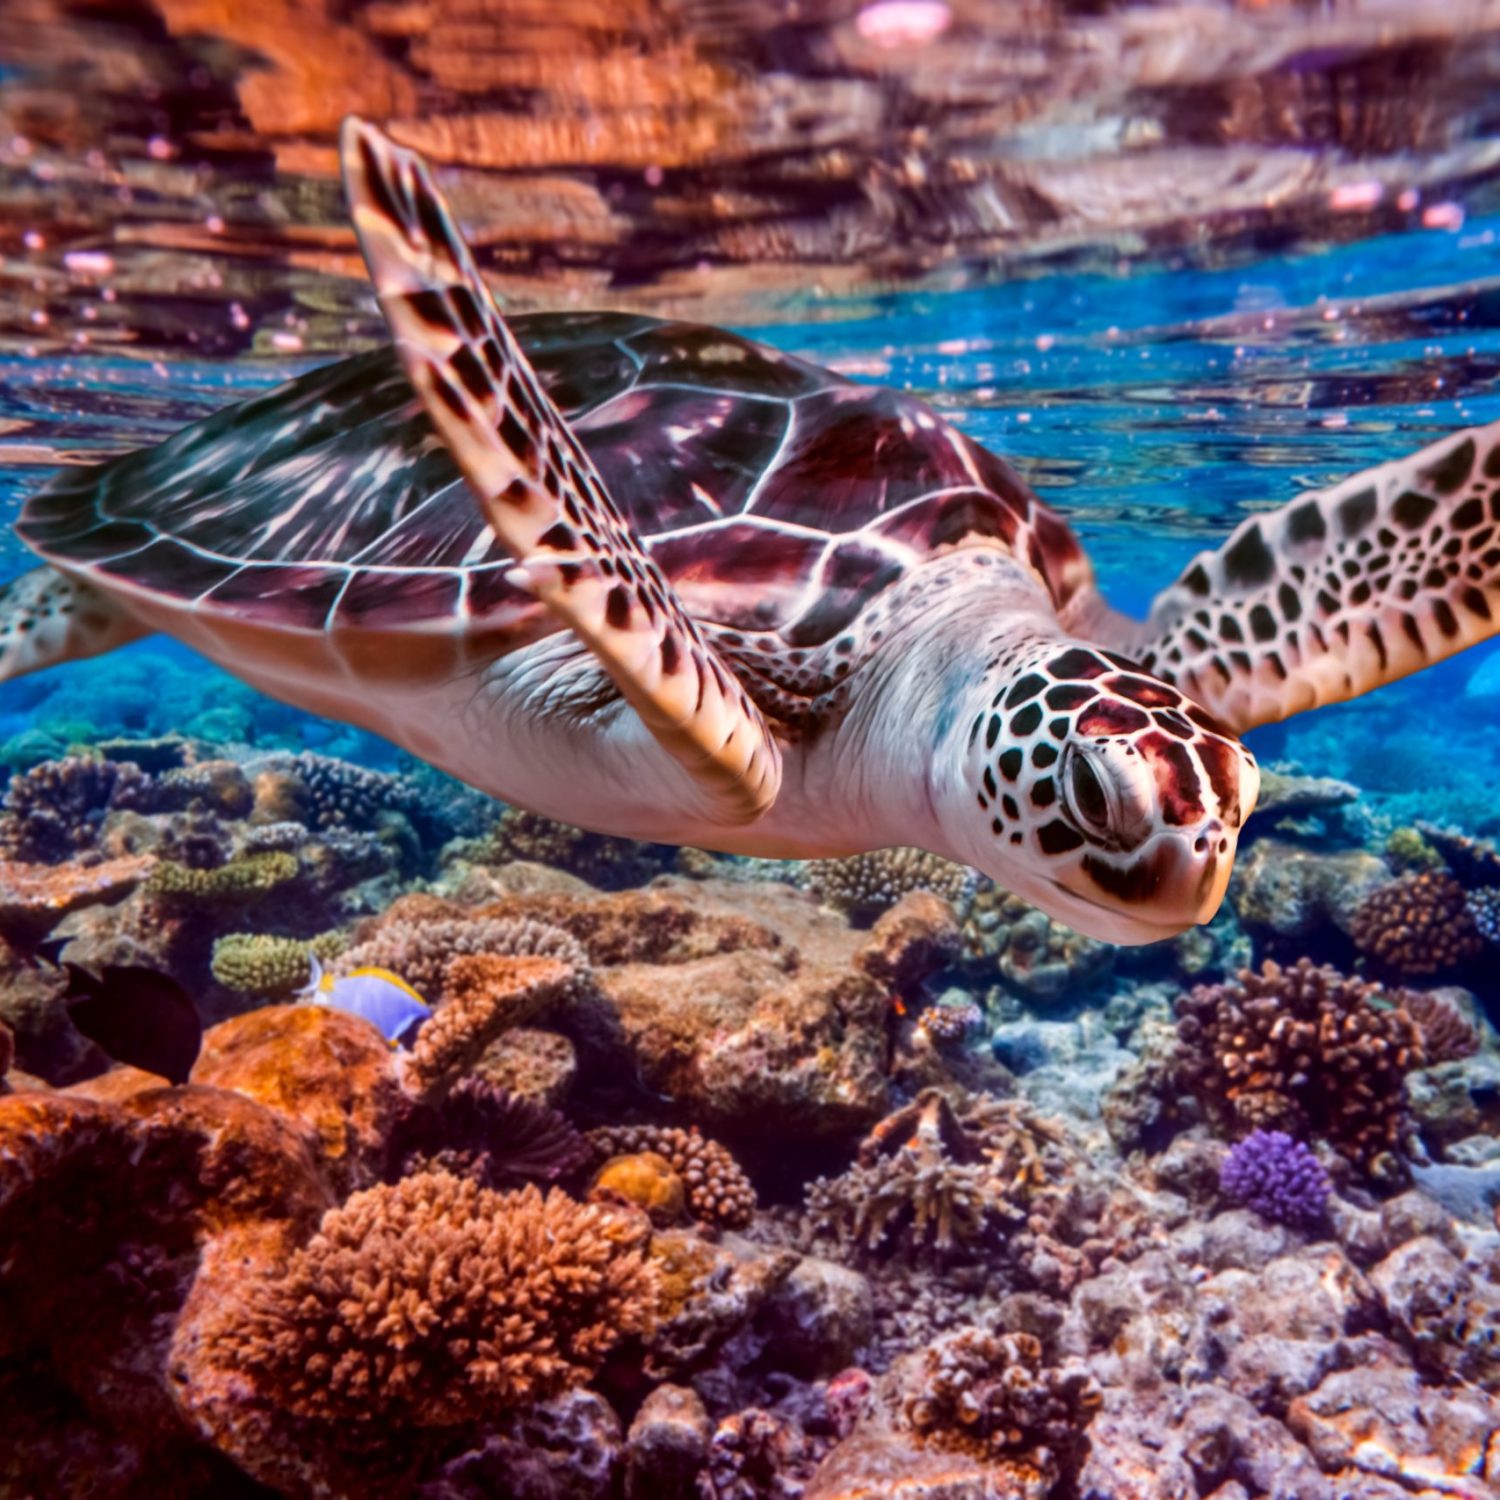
pixel 1155 405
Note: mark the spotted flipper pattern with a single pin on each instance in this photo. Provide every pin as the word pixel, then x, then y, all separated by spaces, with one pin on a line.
pixel 537 487
pixel 1337 592
pixel 47 618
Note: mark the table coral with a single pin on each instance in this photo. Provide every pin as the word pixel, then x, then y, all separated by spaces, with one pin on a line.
pixel 865 885
pixel 718 1192
pixel 35 898
pixel 436 1303
pixel 1419 924
pixel 487 993
pixel 1305 1050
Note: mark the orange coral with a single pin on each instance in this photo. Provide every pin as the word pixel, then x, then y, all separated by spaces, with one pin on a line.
pixel 487 993
pixel 718 1192
pixel 435 1303
pixel 35 898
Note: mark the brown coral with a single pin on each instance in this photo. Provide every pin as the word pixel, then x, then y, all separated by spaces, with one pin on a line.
pixel 988 1393
pixel 718 1192
pixel 420 949
pixel 487 994
pixel 865 885
pixel 1305 1050
pixel 1446 1032
pixel 1419 924
pixel 436 1303
pixel 35 898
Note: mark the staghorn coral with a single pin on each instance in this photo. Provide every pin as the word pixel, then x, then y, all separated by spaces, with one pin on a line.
pixel 496 1139
pixel 1446 1032
pixel 1277 1176
pixel 1419 924
pixel 273 968
pixel 54 811
pixel 421 951
pixel 949 1024
pixel 435 1303
pixel 1305 1050
pixel 988 1393
pixel 930 1183
pixel 865 885
pixel 246 878
pixel 718 1192
pixel 611 864
pixel 487 993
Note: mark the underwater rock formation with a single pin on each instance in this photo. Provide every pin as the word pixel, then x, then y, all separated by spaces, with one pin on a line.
pixel 1305 1050
pixel 1281 890
pixel 1036 955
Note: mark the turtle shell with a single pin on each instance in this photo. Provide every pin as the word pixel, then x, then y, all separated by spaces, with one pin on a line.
pixel 776 496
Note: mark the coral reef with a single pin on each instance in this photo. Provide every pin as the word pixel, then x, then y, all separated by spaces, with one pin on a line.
pixel 495 1138
pixel 56 810
pixel 1447 1034
pixel 1037 956
pixel 949 1024
pixel 270 968
pixel 1302 1049
pixel 35 898
pixel 718 1192
pixel 486 993
pixel 865 885
pixel 237 881
pixel 1277 1176
pixel 1407 852
pixel 607 863
pixel 1420 924
pixel 1484 908
pixel 435 1302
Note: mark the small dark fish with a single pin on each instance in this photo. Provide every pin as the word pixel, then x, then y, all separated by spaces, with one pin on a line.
pixel 138 1016
pixel 49 950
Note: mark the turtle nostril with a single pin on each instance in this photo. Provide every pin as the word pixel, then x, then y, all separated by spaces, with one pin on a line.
pixel 1201 844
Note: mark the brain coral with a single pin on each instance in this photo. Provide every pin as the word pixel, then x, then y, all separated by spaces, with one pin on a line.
pixel 435 1303
pixel 1419 924
pixel 1305 1050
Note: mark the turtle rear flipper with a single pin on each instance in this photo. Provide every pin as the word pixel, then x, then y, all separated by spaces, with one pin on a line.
pixel 47 618
pixel 1339 591
pixel 538 488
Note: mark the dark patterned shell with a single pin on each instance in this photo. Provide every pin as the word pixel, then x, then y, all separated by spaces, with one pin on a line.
pixel 776 496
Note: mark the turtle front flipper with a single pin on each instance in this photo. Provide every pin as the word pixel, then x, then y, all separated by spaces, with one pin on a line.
pixel 47 618
pixel 1339 591
pixel 538 488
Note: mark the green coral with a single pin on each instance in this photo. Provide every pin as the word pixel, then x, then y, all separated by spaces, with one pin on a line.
pixel 1408 853
pixel 244 878
pixel 255 963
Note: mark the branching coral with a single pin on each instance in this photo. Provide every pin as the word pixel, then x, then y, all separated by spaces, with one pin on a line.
pixel 718 1192
pixel 495 1138
pixel 865 885
pixel 1419 924
pixel 487 993
pixel 988 1393
pixel 256 963
pixel 54 810
pixel 612 864
pixel 1304 1050
pixel 927 1184
pixel 436 1303
pixel 1278 1177
pixel 420 952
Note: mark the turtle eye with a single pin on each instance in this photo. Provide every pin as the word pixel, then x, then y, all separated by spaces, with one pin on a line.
pixel 1088 797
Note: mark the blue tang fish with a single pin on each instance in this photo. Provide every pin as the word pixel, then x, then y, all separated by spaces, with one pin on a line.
pixel 384 999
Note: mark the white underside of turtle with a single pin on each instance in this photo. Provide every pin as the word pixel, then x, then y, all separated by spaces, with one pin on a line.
pixel 660 581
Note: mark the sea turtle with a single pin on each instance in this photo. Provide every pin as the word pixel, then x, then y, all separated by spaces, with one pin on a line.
pixel 711 594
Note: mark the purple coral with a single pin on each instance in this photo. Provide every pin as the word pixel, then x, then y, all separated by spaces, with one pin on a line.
pixel 1277 1176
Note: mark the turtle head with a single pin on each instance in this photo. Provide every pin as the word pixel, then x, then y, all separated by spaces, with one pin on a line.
pixel 1103 795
